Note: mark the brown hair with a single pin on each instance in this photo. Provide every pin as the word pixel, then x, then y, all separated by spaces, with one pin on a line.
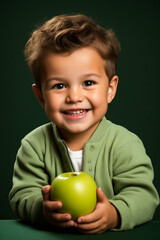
pixel 65 34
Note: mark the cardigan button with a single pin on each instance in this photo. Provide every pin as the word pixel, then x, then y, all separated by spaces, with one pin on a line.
pixel 90 169
pixel 92 148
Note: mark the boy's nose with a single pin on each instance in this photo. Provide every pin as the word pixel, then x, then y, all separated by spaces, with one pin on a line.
pixel 74 95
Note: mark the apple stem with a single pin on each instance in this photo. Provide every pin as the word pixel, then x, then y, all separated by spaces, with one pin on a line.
pixel 74 174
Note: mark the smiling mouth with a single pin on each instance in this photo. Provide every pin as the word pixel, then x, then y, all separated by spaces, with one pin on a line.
pixel 76 112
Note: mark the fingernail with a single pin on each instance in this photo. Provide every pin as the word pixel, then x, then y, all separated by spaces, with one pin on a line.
pixel 79 220
pixel 67 217
pixel 45 189
pixel 71 224
pixel 59 204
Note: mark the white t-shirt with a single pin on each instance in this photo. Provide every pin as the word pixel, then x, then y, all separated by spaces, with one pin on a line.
pixel 77 159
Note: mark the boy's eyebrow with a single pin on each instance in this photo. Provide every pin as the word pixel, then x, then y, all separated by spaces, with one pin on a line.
pixel 55 78
pixel 83 76
pixel 90 75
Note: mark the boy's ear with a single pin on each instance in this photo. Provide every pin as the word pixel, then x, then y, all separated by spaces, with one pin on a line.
pixel 112 88
pixel 38 94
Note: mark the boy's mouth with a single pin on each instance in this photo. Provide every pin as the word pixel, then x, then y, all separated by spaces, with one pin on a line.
pixel 76 112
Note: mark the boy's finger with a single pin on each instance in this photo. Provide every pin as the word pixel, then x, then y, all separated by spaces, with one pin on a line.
pixel 51 206
pixel 90 218
pixel 95 215
pixel 67 224
pixel 88 226
pixel 101 197
pixel 62 217
pixel 46 192
pixel 64 222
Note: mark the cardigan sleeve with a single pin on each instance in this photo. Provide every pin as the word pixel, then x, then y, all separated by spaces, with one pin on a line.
pixel 28 179
pixel 135 195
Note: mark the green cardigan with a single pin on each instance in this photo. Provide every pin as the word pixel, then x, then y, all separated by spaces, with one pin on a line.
pixel 113 156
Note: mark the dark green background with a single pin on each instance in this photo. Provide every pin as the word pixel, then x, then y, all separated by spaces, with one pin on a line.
pixel 136 106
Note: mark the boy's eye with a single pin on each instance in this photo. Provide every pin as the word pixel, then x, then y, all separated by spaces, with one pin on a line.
pixel 88 83
pixel 59 86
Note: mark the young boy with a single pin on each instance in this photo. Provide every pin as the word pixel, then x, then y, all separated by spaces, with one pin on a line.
pixel 73 62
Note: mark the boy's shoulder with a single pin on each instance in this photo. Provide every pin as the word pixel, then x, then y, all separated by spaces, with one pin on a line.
pixel 40 133
pixel 115 133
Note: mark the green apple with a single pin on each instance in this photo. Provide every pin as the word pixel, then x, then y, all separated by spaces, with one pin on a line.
pixel 76 191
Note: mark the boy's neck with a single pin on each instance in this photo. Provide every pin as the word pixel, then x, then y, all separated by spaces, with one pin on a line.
pixel 76 141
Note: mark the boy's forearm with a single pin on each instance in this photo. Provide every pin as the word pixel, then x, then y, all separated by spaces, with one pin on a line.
pixel 135 194
pixel 28 179
pixel 116 218
pixel 28 205
pixel 131 205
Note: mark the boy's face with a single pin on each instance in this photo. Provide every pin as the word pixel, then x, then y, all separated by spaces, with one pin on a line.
pixel 75 90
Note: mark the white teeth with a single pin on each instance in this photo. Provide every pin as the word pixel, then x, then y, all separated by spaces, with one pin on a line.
pixel 78 112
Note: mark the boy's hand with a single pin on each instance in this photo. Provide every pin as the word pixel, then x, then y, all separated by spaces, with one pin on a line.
pixel 104 217
pixel 50 211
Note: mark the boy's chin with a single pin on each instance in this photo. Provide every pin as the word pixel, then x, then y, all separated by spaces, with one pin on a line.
pixel 79 129
pixel 72 131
